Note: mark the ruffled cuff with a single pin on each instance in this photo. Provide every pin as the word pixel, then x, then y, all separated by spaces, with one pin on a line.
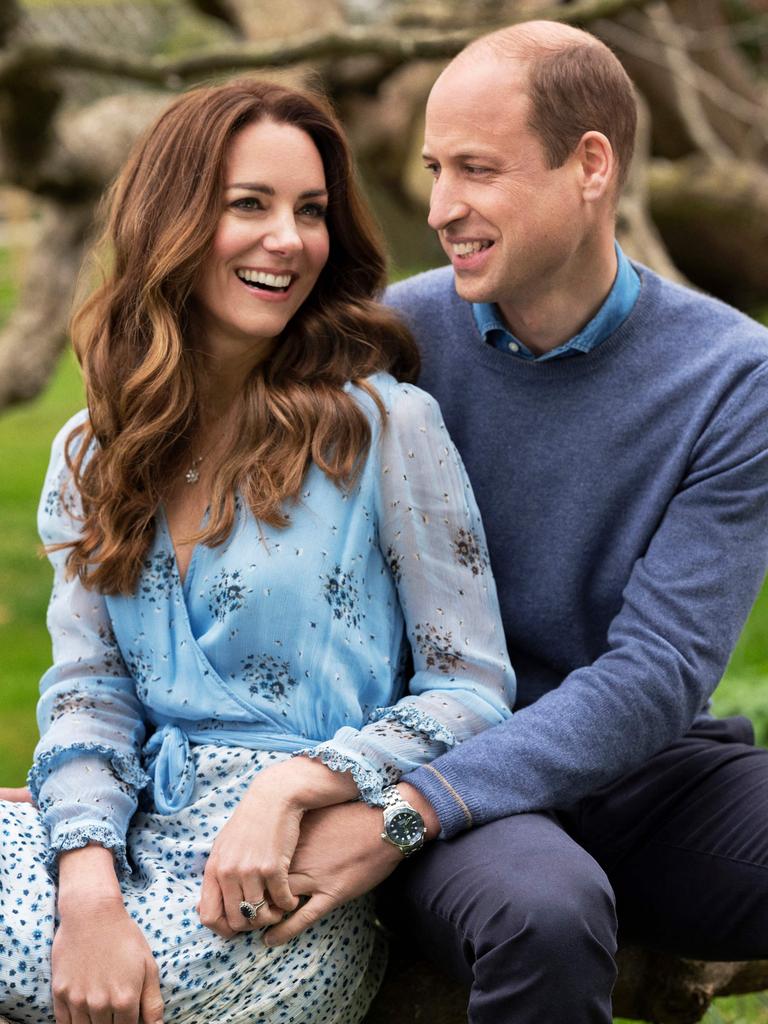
pixel 74 838
pixel 417 720
pixel 368 781
pixel 126 767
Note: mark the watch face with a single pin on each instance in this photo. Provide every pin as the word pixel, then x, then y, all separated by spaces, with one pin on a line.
pixel 405 828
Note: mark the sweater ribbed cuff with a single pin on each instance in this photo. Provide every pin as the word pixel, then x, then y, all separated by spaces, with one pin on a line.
pixel 450 808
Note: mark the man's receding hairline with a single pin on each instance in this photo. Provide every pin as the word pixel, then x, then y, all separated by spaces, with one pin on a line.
pixel 531 40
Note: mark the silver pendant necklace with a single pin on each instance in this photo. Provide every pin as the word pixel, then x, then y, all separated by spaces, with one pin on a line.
pixel 193 473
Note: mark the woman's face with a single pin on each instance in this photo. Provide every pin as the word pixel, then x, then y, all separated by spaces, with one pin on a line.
pixel 271 242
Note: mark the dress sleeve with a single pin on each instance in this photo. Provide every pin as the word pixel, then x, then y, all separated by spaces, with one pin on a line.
pixel 86 772
pixel 433 541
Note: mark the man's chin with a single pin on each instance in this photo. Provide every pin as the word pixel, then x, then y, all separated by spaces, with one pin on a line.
pixel 470 290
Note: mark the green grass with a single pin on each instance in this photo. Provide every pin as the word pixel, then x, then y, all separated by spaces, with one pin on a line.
pixel 25 436
pixel 25 577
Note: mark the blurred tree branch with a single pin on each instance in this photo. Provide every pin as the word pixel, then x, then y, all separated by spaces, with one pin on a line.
pixel 393 46
pixel 699 166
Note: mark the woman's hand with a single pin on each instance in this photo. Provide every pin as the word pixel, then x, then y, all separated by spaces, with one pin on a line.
pixel 16 796
pixel 103 971
pixel 252 854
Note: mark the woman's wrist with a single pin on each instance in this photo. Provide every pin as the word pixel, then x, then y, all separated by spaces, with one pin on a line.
pixel 305 783
pixel 87 876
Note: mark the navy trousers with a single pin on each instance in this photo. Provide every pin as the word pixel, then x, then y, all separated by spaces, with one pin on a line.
pixel 525 909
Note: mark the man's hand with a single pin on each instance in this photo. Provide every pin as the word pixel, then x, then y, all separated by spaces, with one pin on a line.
pixel 341 855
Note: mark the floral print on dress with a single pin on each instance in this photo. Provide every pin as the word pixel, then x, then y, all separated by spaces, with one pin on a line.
pixel 140 667
pixel 113 659
pixel 267 677
pixel 470 551
pixel 340 591
pixel 58 498
pixel 395 563
pixel 437 648
pixel 74 700
pixel 158 577
pixel 227 594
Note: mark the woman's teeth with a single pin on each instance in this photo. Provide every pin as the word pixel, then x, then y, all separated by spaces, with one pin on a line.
pixel 275 282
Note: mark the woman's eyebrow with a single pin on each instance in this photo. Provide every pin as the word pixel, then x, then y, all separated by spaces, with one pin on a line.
pixel 267 190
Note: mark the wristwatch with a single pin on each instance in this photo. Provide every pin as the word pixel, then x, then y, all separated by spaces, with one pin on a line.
pixel 403 825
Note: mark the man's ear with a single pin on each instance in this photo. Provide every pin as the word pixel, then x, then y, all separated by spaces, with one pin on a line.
pixel 597 165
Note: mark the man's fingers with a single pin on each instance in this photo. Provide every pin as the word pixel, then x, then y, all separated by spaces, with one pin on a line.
pixel 151 1000
pixel 279 891
pixel 317 906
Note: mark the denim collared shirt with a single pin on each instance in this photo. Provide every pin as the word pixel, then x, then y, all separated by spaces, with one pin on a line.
pixel 613 312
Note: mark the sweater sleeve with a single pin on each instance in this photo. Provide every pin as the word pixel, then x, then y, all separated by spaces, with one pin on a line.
pixel 432 539
pixel 86 771
pixel 683 608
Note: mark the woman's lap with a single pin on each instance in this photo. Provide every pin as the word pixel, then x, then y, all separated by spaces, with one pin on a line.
pixel 328 974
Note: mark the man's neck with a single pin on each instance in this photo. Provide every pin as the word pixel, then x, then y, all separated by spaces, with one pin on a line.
pixel 564 305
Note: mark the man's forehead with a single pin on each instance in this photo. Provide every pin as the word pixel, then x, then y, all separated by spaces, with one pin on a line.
pixel 481 101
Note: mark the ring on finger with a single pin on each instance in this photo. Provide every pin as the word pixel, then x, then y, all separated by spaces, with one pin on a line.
pixel 250 910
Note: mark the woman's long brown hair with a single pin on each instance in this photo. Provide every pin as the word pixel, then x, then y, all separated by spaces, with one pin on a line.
pixel 134 337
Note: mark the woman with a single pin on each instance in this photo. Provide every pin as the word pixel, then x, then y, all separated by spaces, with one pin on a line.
pixel 244 527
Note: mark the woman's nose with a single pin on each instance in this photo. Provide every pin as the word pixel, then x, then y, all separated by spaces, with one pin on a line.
pixel 283 235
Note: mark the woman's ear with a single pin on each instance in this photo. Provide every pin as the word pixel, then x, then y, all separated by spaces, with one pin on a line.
pixel 597 165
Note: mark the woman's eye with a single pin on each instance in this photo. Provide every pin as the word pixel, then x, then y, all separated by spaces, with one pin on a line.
pixel 247 203
pixel 316 210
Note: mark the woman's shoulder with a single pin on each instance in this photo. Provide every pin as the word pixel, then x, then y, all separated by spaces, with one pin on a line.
pixel 403 402
pixel 58 447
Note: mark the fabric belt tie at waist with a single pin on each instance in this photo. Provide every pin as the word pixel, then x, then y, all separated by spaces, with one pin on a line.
pixel 171 768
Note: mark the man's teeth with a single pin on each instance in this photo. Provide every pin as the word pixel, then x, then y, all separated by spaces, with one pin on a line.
pixel 467 248
pixel 270 280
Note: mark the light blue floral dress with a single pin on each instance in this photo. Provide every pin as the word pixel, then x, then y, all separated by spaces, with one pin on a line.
pixel 279 641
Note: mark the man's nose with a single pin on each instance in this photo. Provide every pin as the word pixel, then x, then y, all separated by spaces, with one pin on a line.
pixel 445 204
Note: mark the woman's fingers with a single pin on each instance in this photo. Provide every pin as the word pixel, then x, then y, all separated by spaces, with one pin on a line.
pixel 19 795
pixel 61 1010
pixel 232 896
pixel 151 1005
pixel 211 906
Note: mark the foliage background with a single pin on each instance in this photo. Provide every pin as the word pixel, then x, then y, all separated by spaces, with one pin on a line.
pixel 26 432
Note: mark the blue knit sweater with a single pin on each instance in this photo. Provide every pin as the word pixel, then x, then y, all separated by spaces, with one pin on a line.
pixel 625 499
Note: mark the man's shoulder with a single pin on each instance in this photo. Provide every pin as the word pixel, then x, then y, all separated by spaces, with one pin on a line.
pixel 697 320
pixel 422 291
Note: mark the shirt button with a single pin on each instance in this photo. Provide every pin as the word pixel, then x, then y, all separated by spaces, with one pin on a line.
pixel 513 346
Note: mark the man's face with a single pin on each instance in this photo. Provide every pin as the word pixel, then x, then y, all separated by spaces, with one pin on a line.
pixel 512 227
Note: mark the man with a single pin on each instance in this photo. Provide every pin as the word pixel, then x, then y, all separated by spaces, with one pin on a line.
pixel 614 428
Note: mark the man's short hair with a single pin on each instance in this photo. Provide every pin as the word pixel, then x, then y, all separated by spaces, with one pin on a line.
pixel 576 84
pixel 578 89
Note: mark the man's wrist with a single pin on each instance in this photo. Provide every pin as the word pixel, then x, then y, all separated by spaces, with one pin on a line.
pixel 420 803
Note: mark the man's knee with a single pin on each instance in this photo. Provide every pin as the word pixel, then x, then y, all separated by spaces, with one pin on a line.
pixel 559 906
pixel 520 881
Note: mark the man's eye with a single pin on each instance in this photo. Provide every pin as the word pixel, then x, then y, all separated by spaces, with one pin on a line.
pixel 434 169
pixel 316 210
pixel 475 169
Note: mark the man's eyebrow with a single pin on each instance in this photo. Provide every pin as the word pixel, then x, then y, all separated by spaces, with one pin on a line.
pixel 267 190
pixel 467 157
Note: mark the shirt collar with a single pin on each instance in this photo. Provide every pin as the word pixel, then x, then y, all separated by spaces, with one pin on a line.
pixel 615 309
